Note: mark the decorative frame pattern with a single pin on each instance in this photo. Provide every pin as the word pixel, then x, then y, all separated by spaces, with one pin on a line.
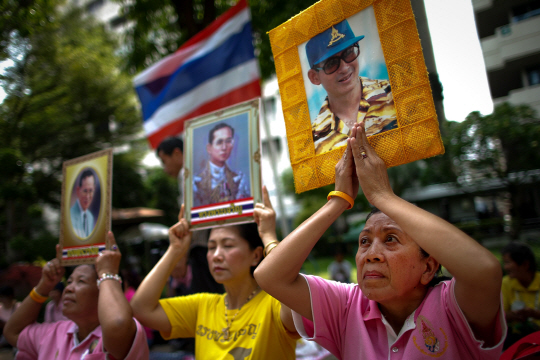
pixel 76 249
pixel 201 211
pixel 417 136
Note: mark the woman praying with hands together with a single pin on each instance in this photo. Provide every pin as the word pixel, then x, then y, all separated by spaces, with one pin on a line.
pixel 395 311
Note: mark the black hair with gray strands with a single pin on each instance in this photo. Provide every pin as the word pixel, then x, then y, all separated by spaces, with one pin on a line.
pixel 520 253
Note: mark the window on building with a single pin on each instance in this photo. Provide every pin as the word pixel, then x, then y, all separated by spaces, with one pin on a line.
pixel 526 11
pixel 270 108
pixel 533 75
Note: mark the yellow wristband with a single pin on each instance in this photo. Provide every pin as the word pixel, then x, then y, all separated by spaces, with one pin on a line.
pixel 342 195
pixel 37 297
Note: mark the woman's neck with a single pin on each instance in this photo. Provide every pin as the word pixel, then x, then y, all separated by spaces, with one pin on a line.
pixel 396 312
pixel 86 327
pixel 238 293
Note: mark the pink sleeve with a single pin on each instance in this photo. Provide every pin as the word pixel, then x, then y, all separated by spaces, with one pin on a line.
pixel 28 342
pixel 460 323
pixel 139 348
pixel 329 308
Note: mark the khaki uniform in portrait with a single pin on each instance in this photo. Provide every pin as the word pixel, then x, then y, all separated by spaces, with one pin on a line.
pixel 376 109
pixel 228 186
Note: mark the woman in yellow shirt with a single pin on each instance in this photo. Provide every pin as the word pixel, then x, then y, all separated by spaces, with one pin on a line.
pixel 245 322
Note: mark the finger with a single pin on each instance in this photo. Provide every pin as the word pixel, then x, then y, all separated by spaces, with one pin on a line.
pixel 112 241
pixel 58 252
pixel 266 198
pixel 181 213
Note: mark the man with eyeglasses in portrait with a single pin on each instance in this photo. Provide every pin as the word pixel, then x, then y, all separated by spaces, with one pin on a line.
pixel 82 219
pixel 217 182
pixel 333 60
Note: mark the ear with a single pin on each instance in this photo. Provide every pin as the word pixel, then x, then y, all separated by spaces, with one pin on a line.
pixel 430 270
pixel 257 256
pixel 208 148
pixel 313 76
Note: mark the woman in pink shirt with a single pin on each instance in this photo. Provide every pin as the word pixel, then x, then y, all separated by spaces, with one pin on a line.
pixel 101 324
pixel 395 311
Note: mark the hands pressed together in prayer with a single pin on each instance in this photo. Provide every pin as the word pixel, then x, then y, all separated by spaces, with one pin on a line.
pixel 361 166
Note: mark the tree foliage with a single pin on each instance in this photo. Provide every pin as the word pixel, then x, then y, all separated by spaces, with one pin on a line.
pixel 65 98
pixel 158 28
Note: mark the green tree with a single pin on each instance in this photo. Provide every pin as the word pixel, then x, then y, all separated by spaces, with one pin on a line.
pixel 502 147
pixel 65 98
pixel 163 192
pixel 161 27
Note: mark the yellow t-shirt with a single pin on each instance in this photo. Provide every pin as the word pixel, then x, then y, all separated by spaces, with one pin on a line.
pixel 513 292
pixel 256 332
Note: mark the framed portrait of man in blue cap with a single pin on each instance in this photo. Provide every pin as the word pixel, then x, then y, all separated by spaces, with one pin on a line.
pixel 341 62
pixel 346 81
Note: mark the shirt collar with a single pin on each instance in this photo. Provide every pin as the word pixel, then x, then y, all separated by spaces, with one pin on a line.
pixel 74 329
pixel 80 207
pixel 215 170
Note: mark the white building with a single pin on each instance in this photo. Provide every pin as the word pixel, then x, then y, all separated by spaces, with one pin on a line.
pixel 509 32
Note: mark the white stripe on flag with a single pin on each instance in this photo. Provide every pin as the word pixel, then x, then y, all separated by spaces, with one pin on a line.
pixel 213 88
pixel 171 63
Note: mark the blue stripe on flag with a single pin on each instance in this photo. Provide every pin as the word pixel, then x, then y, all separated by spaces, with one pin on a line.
pixel 236 50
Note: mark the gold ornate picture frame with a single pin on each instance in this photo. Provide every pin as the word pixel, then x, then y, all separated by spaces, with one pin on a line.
pixel 415 133
pixel 222 172
pixel 85 207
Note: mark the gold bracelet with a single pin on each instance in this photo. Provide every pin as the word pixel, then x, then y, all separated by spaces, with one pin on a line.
pixel 342 195
pixel 37 297
pixel 270 249
pixel 266 251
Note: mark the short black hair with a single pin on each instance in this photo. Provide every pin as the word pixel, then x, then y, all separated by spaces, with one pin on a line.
pixel 86 173
pixel 520 253
pixel 216 128
pixel 169 144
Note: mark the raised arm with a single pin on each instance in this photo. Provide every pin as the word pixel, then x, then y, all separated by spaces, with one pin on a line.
pixel 265 217
pixel 145 302
pixel 278 273
pixel 114 313
pixel 477 272
pixel 28 311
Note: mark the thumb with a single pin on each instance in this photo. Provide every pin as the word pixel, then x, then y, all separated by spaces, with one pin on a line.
pixel 266 198
pixel 181 213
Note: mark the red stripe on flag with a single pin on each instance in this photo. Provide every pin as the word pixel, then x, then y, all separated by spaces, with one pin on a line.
pixel 244 93
pixel 210 29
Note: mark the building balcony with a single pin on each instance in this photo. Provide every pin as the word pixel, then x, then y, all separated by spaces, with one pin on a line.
pixel 527 95
pixel 511 42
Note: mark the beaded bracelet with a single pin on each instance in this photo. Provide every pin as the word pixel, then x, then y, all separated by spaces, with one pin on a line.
pixel 269 247
pixel 37 297
pixel 108 276
pixel 342 195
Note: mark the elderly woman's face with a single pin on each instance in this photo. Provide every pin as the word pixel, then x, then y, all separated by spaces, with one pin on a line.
pixel 80 298
pixel 389 262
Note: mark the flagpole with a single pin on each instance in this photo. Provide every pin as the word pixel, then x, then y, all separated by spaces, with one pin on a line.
pixel 272 150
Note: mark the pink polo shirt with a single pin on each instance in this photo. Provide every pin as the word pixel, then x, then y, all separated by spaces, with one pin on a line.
pixel 54 341
pixel 351 326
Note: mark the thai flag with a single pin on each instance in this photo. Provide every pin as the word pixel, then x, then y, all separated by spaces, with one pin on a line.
pixel 214 69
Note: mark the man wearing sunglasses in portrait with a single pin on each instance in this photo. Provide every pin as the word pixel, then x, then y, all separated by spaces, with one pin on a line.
pixel 333 60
